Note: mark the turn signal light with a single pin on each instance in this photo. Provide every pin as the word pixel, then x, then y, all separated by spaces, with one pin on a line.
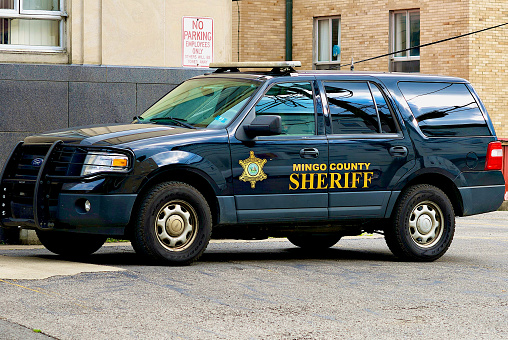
pixel 120 162
pixel 494 159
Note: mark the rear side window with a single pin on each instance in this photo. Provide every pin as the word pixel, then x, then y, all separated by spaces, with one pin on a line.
pixel 358 108
pixel 444 109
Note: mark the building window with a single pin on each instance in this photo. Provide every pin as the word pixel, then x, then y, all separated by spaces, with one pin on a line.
pixel 327 42
pixel 405 33
pixel 31 25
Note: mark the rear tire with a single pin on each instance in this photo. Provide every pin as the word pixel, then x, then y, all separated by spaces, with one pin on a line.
pixel 73 245
pixel 423 224
pixel 174 224
pixel 314 241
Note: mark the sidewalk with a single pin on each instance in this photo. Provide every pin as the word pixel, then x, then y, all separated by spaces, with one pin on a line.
pixel 504 206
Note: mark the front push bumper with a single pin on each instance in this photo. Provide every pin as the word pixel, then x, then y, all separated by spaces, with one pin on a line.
pixel 107 214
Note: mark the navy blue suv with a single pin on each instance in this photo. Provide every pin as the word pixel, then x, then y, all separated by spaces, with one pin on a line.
pixel 311 156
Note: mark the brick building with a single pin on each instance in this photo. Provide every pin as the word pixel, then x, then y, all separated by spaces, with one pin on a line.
pixel 326 34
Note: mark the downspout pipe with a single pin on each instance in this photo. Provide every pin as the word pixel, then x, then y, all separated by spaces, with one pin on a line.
pixel 289 29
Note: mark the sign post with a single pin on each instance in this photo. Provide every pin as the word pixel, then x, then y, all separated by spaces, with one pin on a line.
pixel 197 41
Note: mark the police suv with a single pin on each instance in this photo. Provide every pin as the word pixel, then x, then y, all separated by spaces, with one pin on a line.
pixel 311 156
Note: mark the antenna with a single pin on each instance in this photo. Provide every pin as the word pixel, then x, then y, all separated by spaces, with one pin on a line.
pixel 352 64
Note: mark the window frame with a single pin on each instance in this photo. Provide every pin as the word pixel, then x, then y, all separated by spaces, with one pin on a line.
pixel 408 57
pixel 291 136
pixel 19 13
pixel 315 53
pixel 374 135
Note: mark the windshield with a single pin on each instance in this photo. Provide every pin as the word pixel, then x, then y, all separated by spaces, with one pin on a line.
pixel 201 103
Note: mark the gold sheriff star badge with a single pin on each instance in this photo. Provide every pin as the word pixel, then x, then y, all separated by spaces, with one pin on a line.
pixel 252 170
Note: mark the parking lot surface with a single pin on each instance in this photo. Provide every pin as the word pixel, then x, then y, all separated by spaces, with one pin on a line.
pixel 264 289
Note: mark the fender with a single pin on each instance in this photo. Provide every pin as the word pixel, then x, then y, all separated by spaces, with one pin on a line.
pixel 430 165
pixel 417 169
pixel 190 161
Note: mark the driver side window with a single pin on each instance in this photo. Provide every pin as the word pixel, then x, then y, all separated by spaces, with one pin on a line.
pixel 294 103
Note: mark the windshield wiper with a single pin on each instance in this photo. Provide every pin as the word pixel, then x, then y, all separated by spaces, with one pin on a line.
pixel 177 121
pixel 138 118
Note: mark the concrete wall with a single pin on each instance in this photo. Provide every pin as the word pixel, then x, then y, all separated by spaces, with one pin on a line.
pixel 131 32
pixel 37 98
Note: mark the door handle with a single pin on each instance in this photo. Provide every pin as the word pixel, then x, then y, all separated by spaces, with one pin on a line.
pixel 309 153
pixel 398 151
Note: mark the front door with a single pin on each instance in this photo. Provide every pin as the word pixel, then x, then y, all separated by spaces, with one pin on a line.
pixel 266 171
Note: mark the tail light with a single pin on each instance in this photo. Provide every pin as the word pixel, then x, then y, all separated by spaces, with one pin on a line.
pixel 494 159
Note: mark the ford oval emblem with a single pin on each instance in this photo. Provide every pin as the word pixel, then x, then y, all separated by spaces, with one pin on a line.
pixel 37 162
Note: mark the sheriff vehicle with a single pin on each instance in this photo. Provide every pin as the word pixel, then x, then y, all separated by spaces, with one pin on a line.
pixel 311 156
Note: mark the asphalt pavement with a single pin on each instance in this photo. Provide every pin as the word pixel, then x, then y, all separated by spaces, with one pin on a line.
pixel 264 290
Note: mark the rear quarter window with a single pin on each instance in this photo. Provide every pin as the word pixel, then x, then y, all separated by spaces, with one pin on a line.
pixel 444 109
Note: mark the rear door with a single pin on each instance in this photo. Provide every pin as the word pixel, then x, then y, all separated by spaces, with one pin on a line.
pixel 368 151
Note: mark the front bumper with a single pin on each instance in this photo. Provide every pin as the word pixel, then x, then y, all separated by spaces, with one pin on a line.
pixel 108 213
pixel 32 194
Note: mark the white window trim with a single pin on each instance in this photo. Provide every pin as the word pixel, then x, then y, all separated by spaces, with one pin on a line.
pixel 316 40
pixel 408 35
pixel 19 13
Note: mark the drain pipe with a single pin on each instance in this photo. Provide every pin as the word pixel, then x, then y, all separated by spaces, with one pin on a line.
pixel 289 29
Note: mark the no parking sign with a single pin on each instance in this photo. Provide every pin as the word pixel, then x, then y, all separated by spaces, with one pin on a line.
pixel 197 40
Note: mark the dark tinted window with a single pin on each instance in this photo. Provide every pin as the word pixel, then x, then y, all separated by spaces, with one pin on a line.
pixel 353 109
pixel 294 103
pixel 444 109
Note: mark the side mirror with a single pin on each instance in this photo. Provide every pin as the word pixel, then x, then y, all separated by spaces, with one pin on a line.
pixel 268 125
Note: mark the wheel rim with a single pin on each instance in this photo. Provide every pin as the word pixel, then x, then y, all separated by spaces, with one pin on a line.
pixel 426 224
pixel 176 225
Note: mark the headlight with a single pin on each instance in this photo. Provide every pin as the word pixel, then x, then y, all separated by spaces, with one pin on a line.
pixel 104 162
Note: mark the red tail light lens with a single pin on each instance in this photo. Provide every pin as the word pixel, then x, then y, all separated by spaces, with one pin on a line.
pixel 494 159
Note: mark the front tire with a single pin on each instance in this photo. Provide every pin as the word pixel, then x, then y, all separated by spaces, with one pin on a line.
pixel 314 242
pixel 174 224
pixel 423 224
pixel 72 245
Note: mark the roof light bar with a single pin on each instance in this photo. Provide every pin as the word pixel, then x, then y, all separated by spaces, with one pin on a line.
pixel 257 64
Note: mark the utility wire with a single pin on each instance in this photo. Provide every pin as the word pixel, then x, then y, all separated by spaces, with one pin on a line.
pixel 424 45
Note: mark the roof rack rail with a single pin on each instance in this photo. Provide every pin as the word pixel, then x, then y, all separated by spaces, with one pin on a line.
pixel 278 67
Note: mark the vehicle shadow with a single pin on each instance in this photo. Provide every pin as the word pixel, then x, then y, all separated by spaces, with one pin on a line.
pixel 291 254
pixel 111 257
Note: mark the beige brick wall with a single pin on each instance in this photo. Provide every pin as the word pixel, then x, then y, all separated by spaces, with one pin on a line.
pixel 365 33
pixel 365 29
pixel 262 30
pixel 440 20
pixel 488 59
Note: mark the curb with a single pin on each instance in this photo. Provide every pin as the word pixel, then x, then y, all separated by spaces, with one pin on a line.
pixel 28 237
